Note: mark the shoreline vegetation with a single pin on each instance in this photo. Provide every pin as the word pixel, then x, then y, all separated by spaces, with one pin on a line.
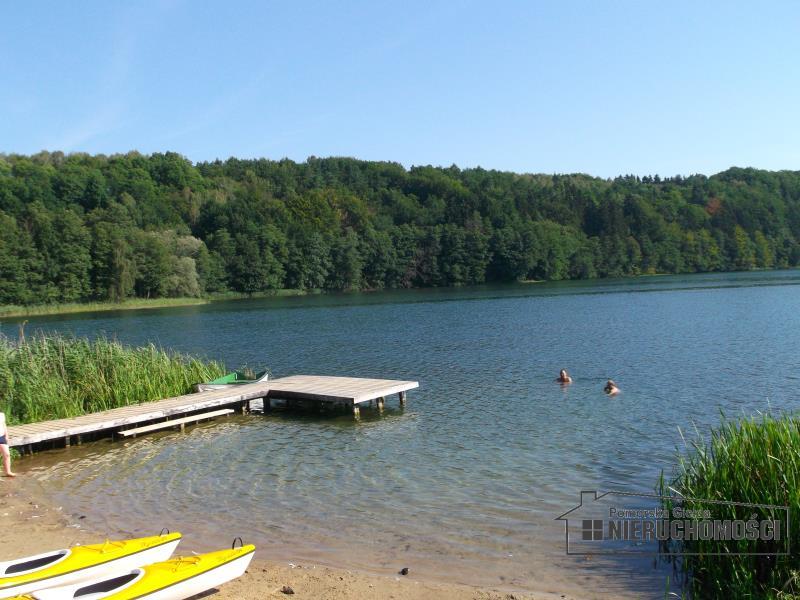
pixel 752 461
pixel 52 376
pixel 35 310
pixel 79 228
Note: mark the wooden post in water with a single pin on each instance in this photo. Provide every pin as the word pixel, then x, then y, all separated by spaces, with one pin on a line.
pixel 66 442
pixel 381 401
pixel 267 405
pixel 402 398
pixel 356 411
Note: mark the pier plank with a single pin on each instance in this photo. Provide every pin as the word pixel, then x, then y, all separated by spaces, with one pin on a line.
pixel 323 389
pixel 175 422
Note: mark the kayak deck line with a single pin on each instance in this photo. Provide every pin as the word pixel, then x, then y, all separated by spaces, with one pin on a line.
pixel 297 390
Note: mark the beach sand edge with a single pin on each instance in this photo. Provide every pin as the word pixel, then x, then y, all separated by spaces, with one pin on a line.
pixel 32 527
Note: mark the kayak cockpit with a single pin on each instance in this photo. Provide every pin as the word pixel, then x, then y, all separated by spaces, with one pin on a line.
pixel 106 587
pixel 32 564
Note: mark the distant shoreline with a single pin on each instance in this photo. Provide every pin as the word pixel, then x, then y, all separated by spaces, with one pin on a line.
pixel 37 310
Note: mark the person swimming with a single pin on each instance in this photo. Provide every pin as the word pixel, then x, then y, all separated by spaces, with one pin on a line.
pixel 563 377
pixel 611 388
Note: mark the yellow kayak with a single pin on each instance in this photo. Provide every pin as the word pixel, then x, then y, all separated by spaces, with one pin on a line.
pixel 81 563
pixel 174 579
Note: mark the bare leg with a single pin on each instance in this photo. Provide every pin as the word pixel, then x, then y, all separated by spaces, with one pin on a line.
pixel 7 460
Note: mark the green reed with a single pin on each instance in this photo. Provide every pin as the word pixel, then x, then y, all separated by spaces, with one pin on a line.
pixel 53 376
pixel 754 461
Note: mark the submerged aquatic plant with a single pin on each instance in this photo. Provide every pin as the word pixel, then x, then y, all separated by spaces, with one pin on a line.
pixel 50 376
pixel 751 461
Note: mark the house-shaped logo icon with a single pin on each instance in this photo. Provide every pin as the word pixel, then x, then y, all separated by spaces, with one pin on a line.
pixel 590 519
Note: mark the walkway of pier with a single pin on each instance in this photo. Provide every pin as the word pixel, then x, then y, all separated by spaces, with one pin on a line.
pixel 349 392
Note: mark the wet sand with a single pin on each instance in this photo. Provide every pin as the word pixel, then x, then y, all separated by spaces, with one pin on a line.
pixel 30 526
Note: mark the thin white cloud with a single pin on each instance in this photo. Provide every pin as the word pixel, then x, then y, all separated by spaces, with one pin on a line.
pixel 112 90
pixel 222 106
pixel 101 122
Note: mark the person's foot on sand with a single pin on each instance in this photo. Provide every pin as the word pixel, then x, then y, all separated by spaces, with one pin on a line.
pixel 11 474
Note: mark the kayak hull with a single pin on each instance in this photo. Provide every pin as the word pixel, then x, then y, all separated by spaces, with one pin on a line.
pixel 206 581
pixel 174 579
pixel 82 563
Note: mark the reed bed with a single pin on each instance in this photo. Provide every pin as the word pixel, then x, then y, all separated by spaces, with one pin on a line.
pixel 757 461
pixel 53 376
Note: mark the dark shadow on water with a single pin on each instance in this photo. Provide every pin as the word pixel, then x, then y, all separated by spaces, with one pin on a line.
pixel 341 418
pixel 641 284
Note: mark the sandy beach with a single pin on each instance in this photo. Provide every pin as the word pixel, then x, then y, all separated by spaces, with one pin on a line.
pixel 31 526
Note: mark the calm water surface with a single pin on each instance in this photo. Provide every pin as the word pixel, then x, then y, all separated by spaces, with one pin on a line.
pixel 464 484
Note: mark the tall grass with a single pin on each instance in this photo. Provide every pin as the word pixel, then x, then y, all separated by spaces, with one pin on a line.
pixel 755 461
pixel 52 376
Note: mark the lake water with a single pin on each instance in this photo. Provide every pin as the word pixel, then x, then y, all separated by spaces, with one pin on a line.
pixel 465 483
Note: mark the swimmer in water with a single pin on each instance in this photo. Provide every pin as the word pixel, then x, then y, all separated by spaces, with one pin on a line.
pixel 611 388
pixel 563 377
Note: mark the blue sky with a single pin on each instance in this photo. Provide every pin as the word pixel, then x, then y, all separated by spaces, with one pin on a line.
pixel 598 87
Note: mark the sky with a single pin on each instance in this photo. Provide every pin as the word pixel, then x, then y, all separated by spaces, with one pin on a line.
pixel 564 86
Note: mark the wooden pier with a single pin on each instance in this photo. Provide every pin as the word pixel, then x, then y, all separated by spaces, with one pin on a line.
pixel 323 391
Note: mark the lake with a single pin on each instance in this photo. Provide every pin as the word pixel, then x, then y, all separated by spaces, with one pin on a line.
pixel 465 483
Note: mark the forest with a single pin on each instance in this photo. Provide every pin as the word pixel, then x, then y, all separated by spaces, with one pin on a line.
pixel 77 227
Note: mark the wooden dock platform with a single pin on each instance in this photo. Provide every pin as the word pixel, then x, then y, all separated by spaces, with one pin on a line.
pixel 348 392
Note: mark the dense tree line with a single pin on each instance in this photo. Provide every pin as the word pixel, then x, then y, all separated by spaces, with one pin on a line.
pixel 77 227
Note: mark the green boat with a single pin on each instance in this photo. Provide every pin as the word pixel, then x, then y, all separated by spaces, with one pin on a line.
pixel 232 379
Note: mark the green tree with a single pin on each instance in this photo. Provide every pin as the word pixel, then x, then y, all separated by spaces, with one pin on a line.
pixel 346 263
pixel 744 256
pixel 72 257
